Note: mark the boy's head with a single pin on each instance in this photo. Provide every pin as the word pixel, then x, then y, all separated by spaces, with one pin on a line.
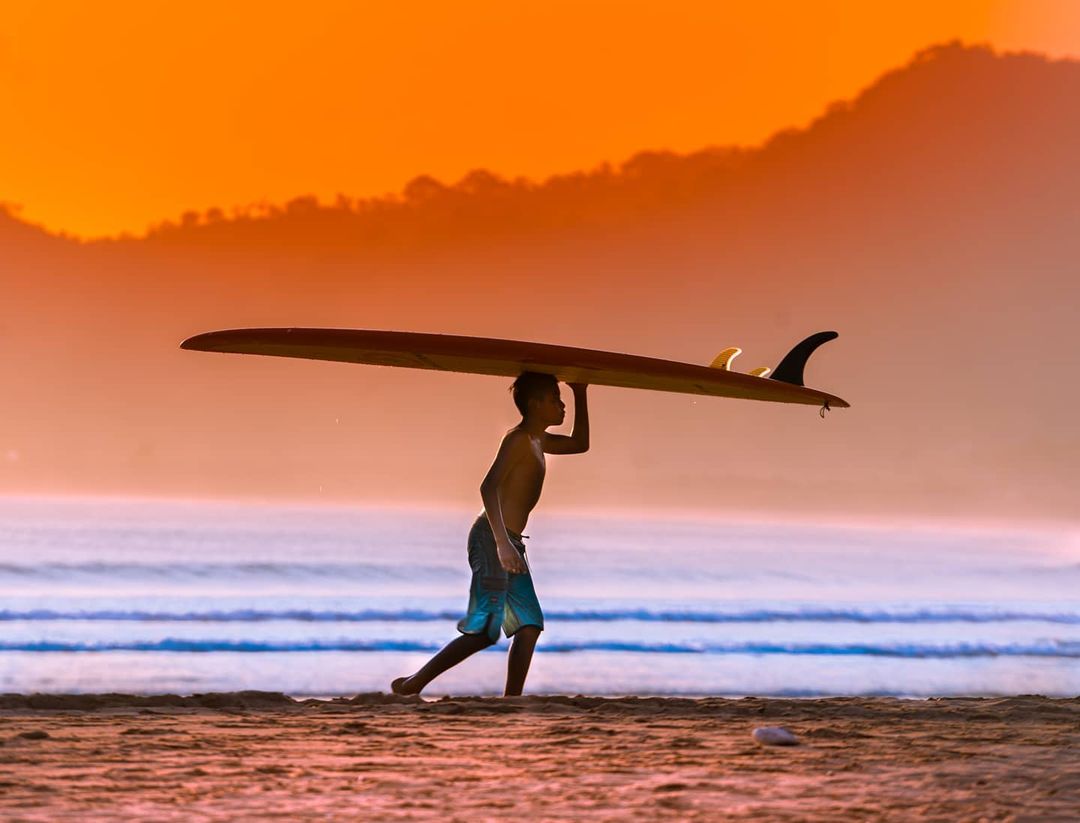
pixel 537 394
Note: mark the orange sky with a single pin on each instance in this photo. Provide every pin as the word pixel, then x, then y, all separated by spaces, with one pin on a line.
pixel 116 115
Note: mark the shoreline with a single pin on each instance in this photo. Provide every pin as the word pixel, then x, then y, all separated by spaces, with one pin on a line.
pixel 252 754
pixel 689 703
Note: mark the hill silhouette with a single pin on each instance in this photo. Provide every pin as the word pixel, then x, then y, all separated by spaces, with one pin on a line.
pixel 931 221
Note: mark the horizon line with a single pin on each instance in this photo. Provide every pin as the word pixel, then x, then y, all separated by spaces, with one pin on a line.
pixel 744 516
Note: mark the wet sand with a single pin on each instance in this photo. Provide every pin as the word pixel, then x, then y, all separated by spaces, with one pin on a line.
pixel 257 755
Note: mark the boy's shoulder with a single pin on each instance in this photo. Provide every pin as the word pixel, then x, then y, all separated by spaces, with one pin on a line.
pixel 517 437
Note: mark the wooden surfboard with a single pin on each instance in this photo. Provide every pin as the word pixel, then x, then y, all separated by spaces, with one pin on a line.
pixel 508 358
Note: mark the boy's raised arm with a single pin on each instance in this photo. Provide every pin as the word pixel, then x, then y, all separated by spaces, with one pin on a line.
pixel 580 433
pixel 578 441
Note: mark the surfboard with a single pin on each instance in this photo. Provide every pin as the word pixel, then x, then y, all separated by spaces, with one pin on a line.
pixel 508 358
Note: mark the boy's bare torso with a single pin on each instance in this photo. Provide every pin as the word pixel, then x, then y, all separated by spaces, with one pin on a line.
pixel 520 490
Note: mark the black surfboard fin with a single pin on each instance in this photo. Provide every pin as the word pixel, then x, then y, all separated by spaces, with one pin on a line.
pixel 791 367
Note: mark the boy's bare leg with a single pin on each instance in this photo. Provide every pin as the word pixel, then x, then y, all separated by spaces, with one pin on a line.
pixel 450 655
pixel 521 652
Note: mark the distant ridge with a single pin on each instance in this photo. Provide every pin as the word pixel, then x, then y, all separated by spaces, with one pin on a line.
pixel 16 232
pixel 942 93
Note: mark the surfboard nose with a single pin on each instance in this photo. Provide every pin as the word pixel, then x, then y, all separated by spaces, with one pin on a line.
pixel 198 342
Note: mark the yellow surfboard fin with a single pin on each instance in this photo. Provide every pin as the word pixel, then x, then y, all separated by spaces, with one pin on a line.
pixel 723 360
pixel 760 371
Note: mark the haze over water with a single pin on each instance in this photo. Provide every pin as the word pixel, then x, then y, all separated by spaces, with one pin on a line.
pixel 150 597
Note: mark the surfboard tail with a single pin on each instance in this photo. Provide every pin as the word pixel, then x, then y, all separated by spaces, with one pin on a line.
pixel 791 367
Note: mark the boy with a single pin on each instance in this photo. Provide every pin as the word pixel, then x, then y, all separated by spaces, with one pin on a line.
pixel 501 594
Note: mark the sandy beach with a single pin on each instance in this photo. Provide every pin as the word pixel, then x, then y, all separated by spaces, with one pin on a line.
pixel 257 755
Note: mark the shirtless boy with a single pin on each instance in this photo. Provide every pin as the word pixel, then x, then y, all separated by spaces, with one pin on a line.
pixel 501 595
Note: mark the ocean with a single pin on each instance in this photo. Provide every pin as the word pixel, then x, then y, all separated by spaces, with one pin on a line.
pixel 110 595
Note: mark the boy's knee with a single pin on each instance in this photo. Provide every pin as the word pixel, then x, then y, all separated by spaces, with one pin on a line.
pixel 528 632
pixel 479 641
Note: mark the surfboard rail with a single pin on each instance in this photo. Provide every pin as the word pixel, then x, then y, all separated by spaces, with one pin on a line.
pixel 507 358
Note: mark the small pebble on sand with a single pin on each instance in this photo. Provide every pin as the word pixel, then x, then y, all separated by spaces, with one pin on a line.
pixel 774 736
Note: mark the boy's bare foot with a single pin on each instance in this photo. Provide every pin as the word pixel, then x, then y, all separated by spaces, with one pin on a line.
pixel 402 686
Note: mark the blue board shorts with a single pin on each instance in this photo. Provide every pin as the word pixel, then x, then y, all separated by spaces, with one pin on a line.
pixel 497 599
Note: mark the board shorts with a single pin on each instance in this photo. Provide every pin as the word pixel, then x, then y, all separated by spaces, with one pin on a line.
pixel 498 599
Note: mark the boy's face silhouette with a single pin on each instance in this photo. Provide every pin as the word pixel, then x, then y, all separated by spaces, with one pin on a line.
pixel 548 408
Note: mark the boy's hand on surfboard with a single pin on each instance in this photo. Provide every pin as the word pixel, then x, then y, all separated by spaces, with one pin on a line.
pixel 511 560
